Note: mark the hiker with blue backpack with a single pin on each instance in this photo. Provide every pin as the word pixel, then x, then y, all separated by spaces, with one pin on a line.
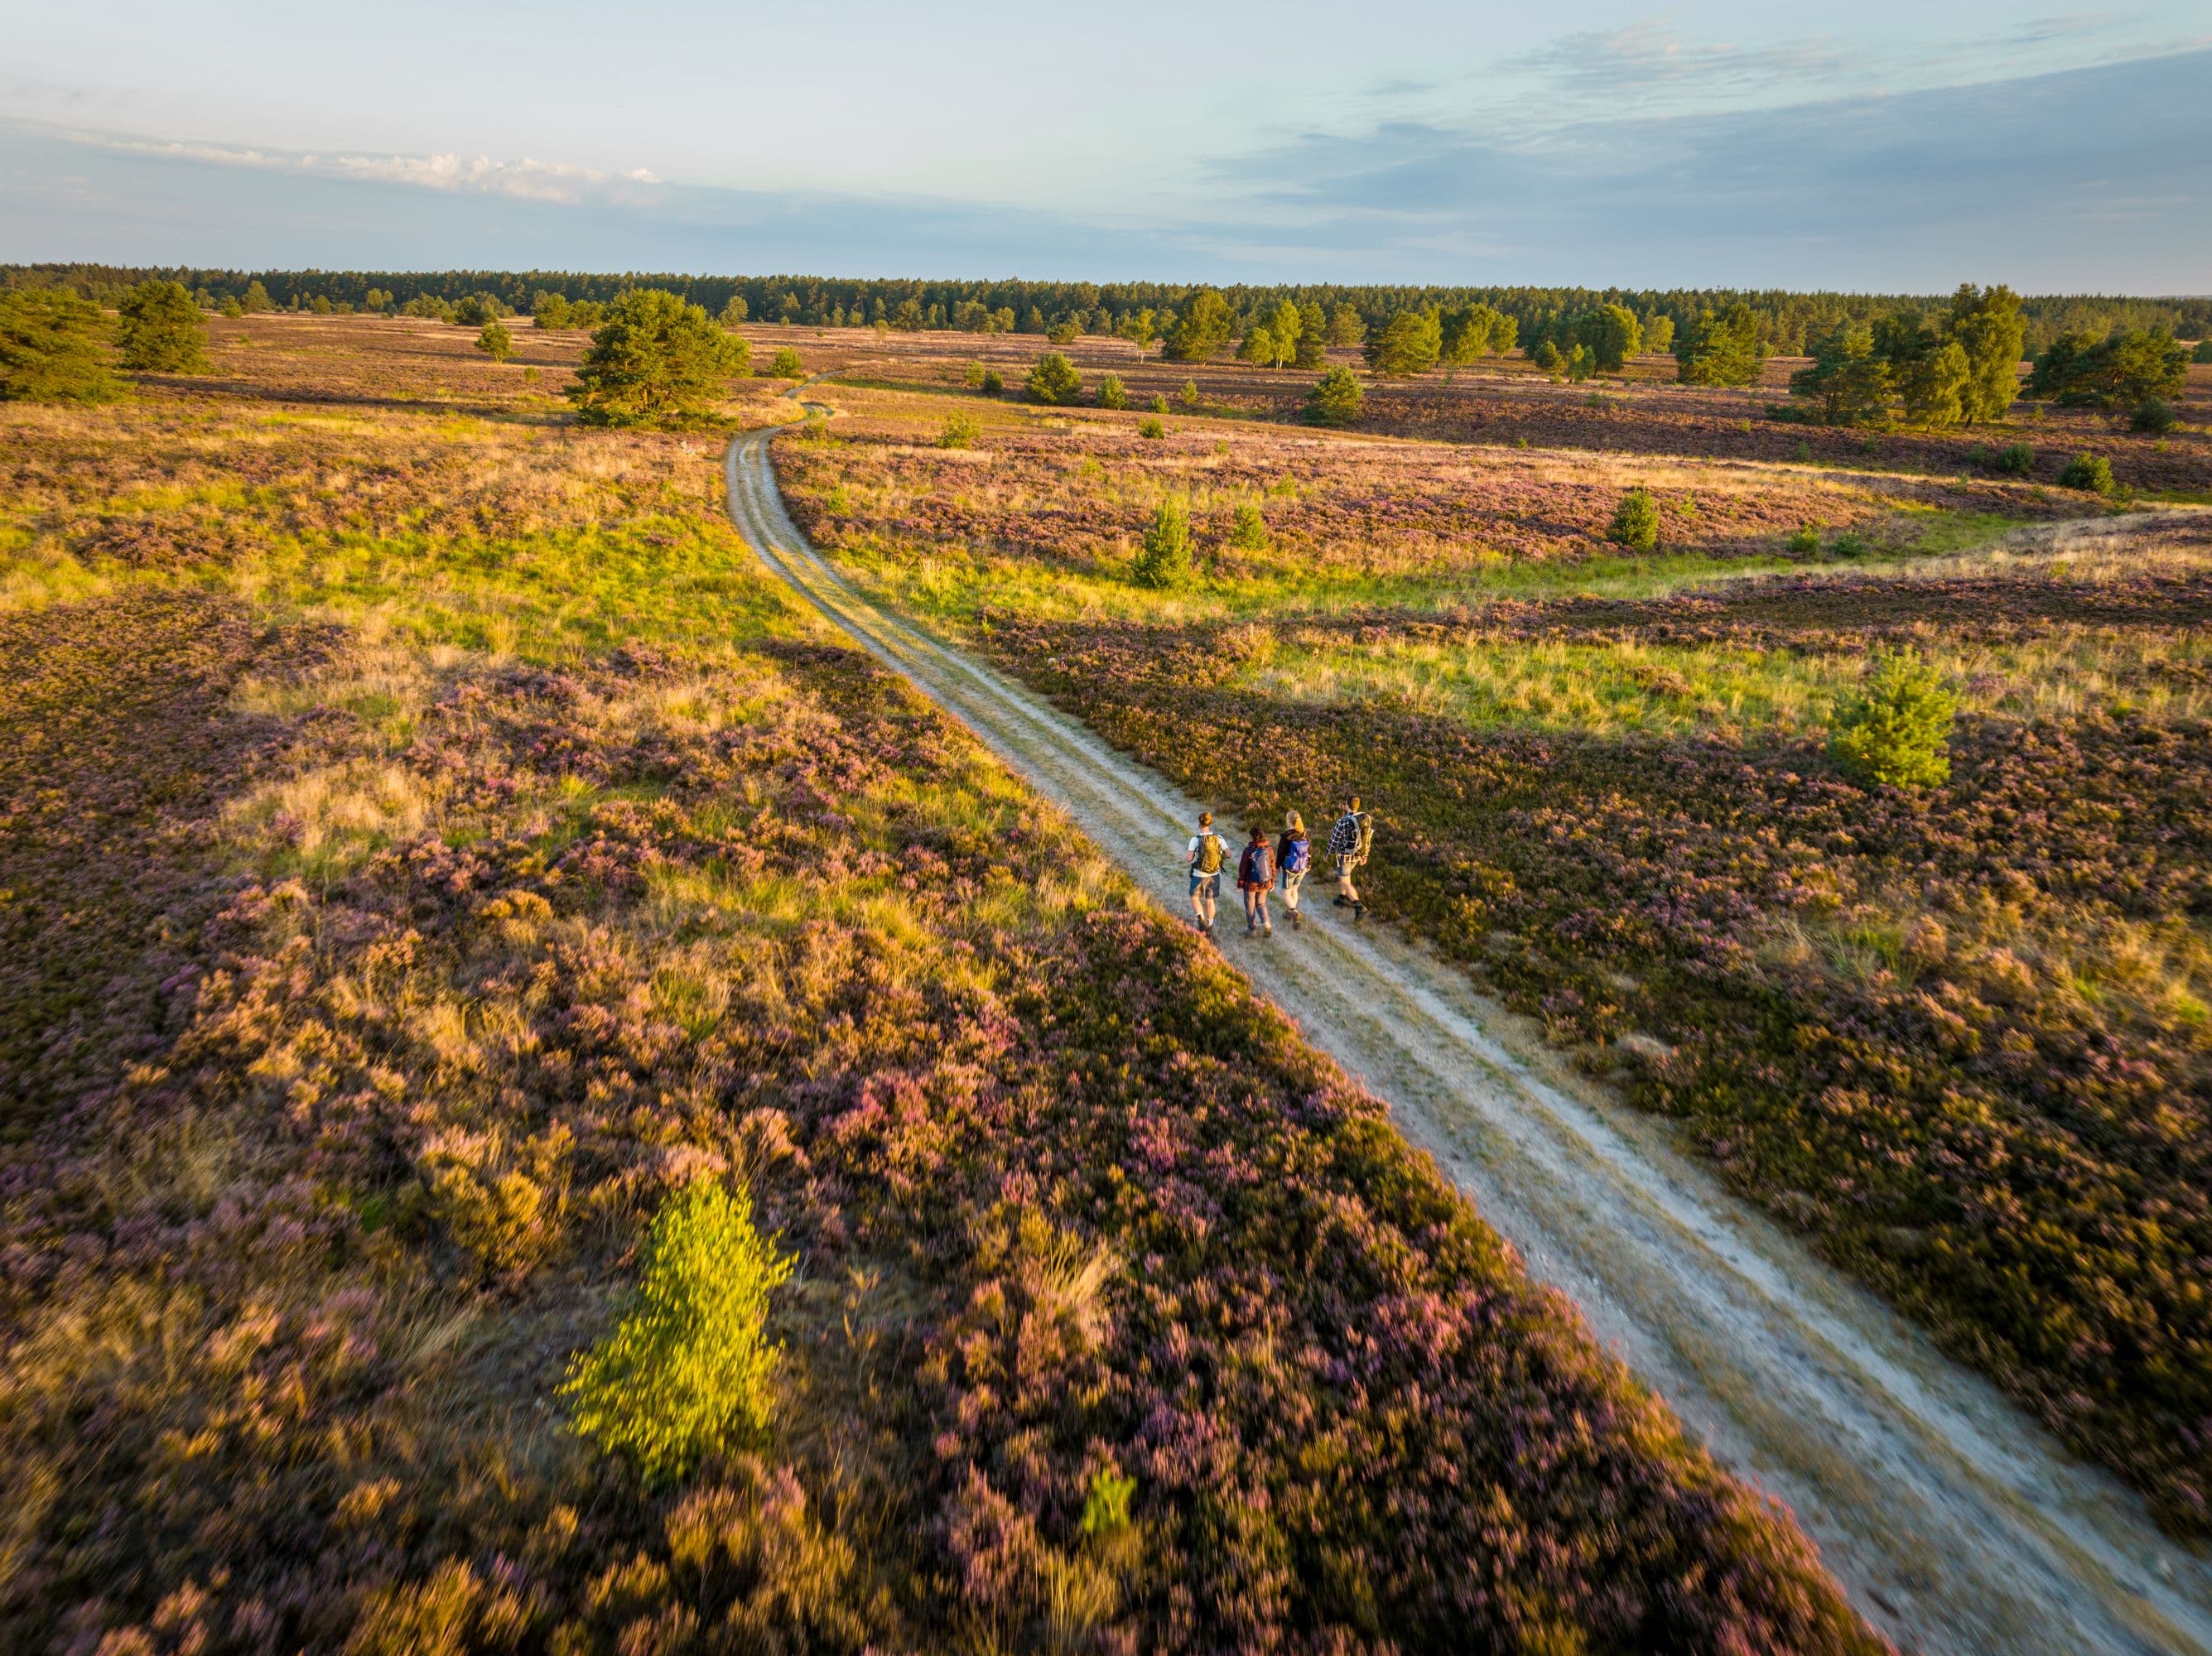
pixel 1293 861
pixel 1255 878
pixel 1205 858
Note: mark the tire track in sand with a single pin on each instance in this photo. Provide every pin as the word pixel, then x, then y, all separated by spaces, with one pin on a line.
pixel 1956 1524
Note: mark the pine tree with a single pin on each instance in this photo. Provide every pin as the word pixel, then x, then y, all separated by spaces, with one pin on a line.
pixel 50 351
pixel 161 330
pixel 654 358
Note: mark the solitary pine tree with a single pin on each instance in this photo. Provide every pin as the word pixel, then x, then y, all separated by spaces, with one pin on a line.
pixel 1164 560
pixel 1335 399
pixel 653 358
pixel 50 348
pixel 495 341
pixel 162 330
pixel 1054 379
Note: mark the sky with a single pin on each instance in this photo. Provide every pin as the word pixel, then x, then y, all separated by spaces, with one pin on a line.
pixel 1878 146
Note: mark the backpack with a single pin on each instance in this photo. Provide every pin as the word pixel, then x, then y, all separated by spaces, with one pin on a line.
pixel 1299 858
pixel 1209 853
pixel 1366 835
pixel 1256 866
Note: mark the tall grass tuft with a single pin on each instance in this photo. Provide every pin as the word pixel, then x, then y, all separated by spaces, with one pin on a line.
pixel 689 1368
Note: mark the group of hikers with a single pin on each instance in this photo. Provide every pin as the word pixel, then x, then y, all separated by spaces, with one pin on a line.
pixel 1263 868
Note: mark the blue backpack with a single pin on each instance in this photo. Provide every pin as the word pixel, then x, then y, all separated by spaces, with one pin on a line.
pixel 1298 858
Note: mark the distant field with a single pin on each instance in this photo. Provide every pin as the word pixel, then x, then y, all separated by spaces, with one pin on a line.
pixel 1961 1038
pixel 431 839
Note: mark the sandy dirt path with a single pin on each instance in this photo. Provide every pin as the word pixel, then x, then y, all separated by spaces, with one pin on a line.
pixel 1955 1523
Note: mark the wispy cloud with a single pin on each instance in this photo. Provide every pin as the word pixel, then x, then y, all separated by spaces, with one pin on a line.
pixel 525 179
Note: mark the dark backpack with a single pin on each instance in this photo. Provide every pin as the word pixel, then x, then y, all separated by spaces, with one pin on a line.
pixel 1210 853
pixel 1257 866
pixel 1298 856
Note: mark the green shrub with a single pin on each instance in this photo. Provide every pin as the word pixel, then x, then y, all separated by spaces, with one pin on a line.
pixel 1249 533
pixel 1335 399
pixel 1636 522
pixel 1054 380
pixel 1188 395
pixel 972 377
pixel 2015 459
pixel 1848 545
pixel 52 349
pixel 993 382
pixel 2203 352
pixel 230 310
pixel 961 431
pixel 1806 541
pixel 1164 561
pixel 1111 393
pixel 689 1370
pixel 1151 426
pixel 495 341
pixel 161 330
pixel 1897 731
pixel 785 365
pixel 2154 415
pixel 2090 472
pixel 1106 1502
pixel 1160 402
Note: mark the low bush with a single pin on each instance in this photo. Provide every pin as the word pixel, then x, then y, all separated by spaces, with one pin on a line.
pixel 1336 399
pixel 1897 731
pixel 1249 532
pixel 1054 380
pixel 785 365
pixel 993 383
pixel 2016 460
pixel 961 431
pixel 688 1371
pixel 1163 561
pixel 495 342
pixel 972 375
pixel 1111 392
pixel 2090 473
pixel 1636 522
pixel 1160 402
pixel 1150 428
pixel 2154 414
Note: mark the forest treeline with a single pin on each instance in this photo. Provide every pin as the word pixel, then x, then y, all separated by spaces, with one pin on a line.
pixel 1788 323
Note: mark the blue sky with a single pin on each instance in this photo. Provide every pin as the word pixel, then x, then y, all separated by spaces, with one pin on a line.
pixel 1875 146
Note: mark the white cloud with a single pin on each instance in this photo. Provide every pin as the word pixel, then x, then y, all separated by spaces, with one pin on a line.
pixel 525 179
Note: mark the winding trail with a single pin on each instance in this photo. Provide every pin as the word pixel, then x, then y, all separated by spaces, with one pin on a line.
pixel 1955 1523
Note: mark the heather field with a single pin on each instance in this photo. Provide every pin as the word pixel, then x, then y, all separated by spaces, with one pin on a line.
pixel 1959 1038
pixel 432 842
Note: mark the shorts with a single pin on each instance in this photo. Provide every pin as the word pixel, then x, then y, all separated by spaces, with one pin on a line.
pixel 1292 879
pixel 1208 883
pixel 1348 864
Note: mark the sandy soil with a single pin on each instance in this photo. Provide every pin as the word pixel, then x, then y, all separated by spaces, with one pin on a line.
pixel 1956 1524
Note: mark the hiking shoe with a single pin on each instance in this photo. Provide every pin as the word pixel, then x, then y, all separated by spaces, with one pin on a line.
pixel 1343 902
pixel 1296 924
pixel 1250 927
pixel 1358 911
pixel 1268 930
